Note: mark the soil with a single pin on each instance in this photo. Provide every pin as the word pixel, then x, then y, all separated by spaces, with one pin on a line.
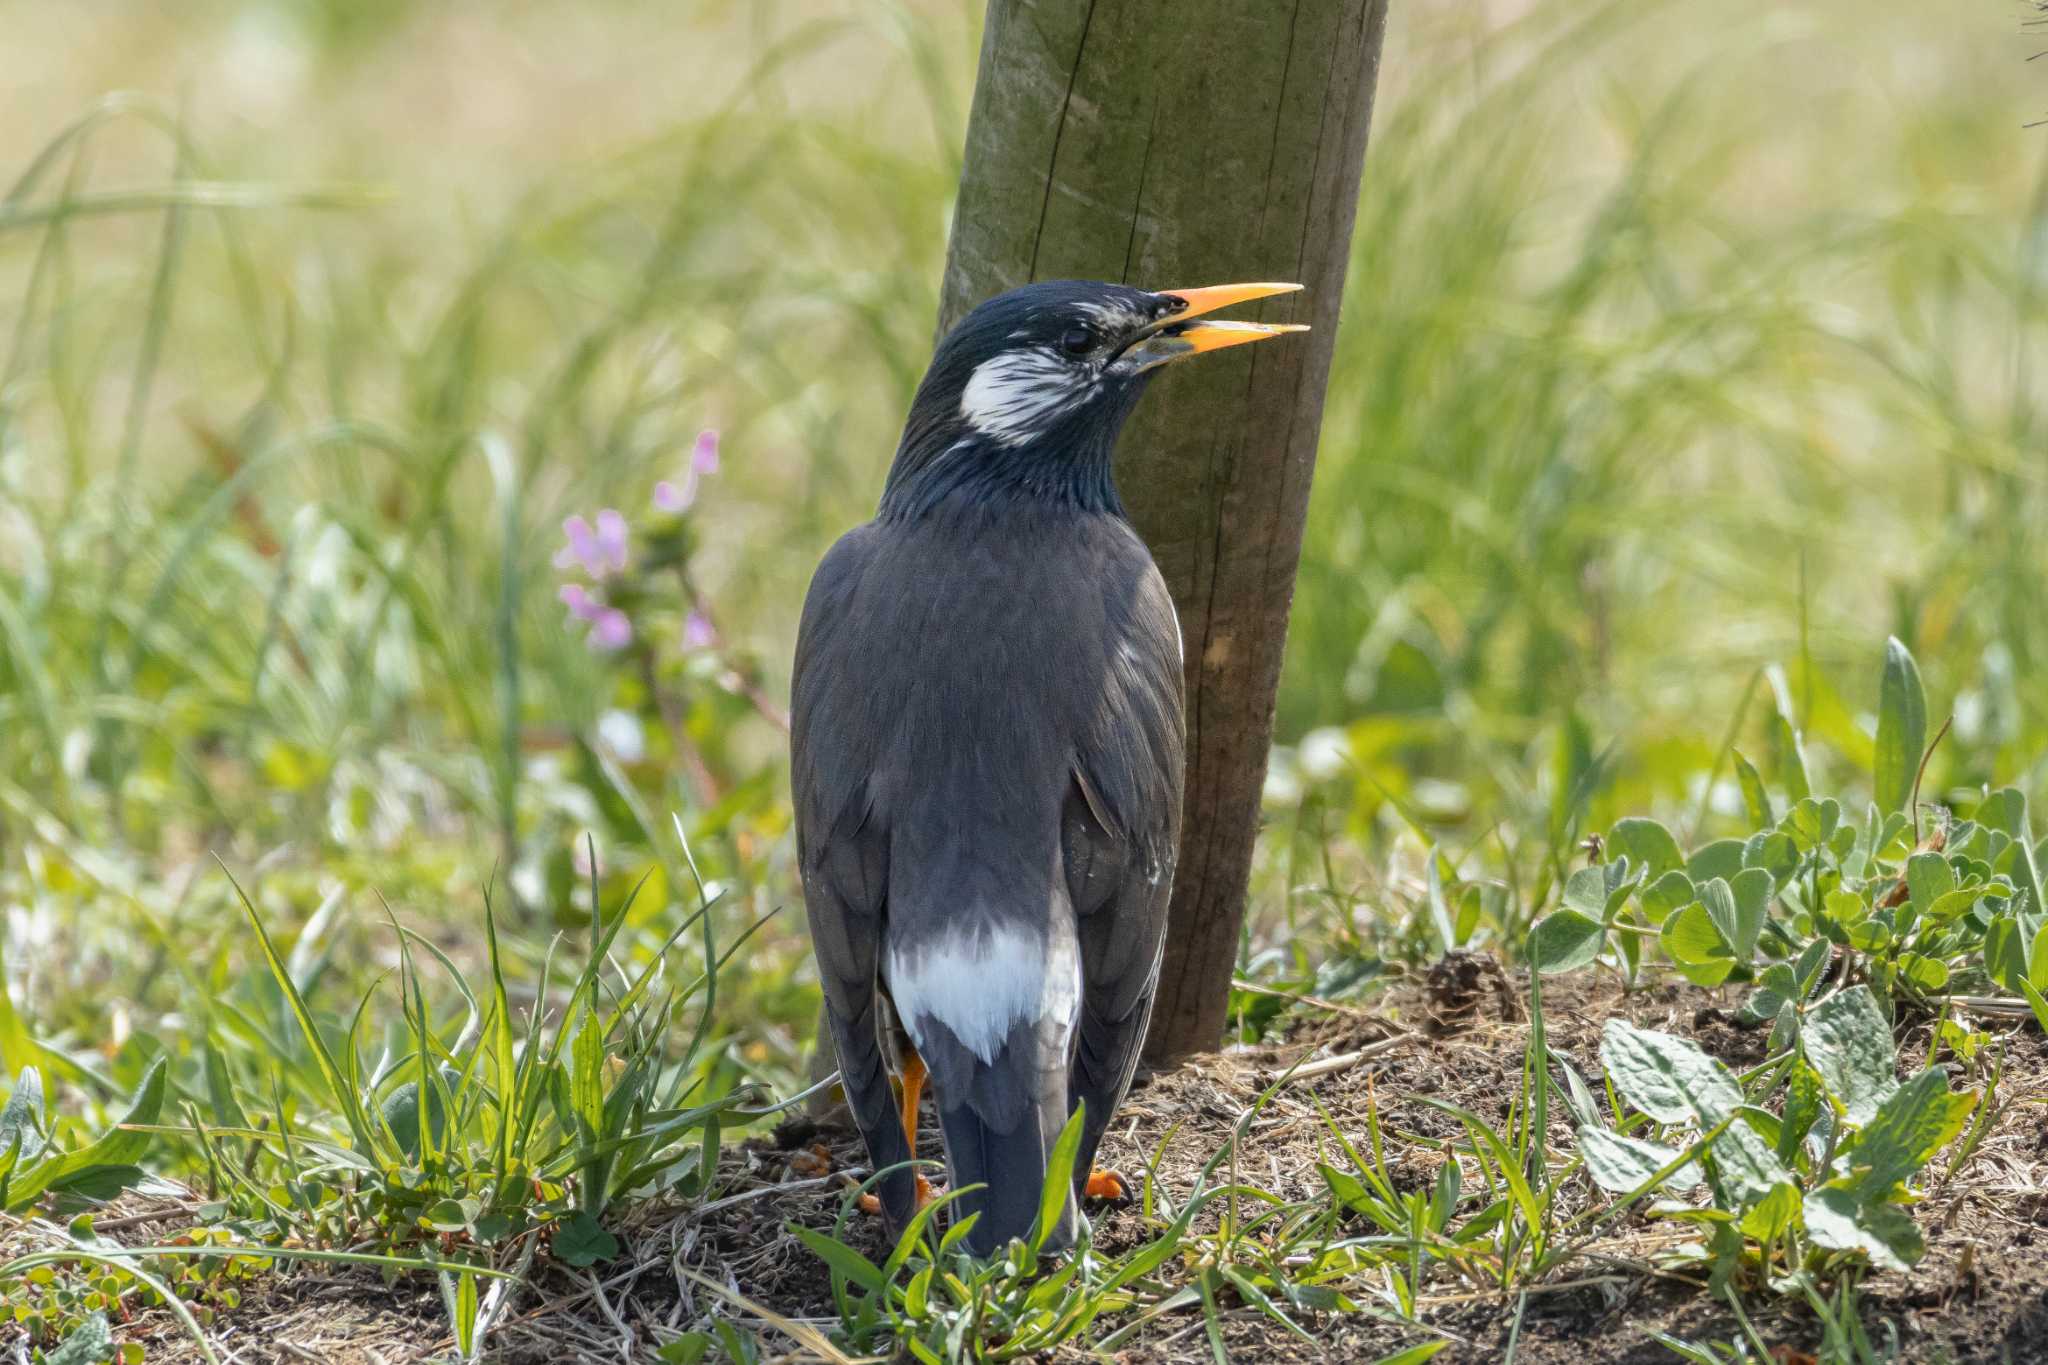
pixel 1979 1295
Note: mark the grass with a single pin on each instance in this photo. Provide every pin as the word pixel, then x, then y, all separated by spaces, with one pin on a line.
pixel 1662 395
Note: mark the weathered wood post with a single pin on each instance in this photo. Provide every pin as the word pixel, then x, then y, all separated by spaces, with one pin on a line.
pixel 1176 144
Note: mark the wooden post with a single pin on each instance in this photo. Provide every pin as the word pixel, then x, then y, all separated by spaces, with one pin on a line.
pixel 1177 144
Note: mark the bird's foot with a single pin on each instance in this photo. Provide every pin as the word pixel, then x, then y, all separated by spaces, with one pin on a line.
pixel 1106 1185
pixel 872 1203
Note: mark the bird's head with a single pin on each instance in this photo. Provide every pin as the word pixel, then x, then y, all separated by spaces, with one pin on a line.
pixel 1026 396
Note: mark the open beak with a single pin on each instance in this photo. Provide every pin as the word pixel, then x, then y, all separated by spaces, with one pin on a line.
pixel 1179 334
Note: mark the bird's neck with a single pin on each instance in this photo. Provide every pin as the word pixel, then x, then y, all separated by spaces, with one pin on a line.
pixel 954 466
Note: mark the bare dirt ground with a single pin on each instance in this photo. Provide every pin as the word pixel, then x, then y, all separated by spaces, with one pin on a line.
pixel 1980 1294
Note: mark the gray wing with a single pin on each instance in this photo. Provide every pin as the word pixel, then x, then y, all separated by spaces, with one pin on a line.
pixel 1120 834
pixel 842 853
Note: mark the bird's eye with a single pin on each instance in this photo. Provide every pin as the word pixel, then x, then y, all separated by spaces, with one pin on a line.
pixel 1078 341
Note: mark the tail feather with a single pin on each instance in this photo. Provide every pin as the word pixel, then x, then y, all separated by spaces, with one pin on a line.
pixel 1010 1166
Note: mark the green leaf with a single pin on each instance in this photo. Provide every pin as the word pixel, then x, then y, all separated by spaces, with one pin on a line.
pixel 1907 1130
pixel 1924 974
pixel 2006 810
pixel 1837 1220
pixel 2005 955
pixel 843 1259
pixel 1058 1191
pixel 1755 800
pixel 1928 879
pixel 118 1148
pixel 22 1116
pixel 1788 759
pixel 1695 946
pixel 1849 1044
pixel 1771 1215
pixel 2035 1000
pixel 1565 940
pixel 90 1343
pixel 1737 909
pixel 1621 1164
pixel 1803 1101
pixel 581 1241
pixel 1646 844
pixel 1586 892
pixel 1414 1355
pixel 1742 1168
pixel 1666 894
pixel 1901 727
pixel 1668 1078
pixel 1722 858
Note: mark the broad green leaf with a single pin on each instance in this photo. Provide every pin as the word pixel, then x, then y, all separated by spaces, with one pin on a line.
pixel 581 1241
pixel 1901 727
pixel 1908 1129
pixel 1849 1043
pixel 1620 1164
pixel 1836 1219
pixel 118 1148
pixel 1752 888
pixel 1742 1168
pixel 1755 800
pixel 1924 974
pixel 1696 947
pixel 1667 893
pixel 21 1119
pixel 1666 1077
pixel 1565 940
pixel 90 1343
pixel 1722 858
pixel 1928 879
pixel 2005 955
pixel 1646 844
pixel 1737 909
pixel 2006 810
pixel 1772 1214
pixel 1586 892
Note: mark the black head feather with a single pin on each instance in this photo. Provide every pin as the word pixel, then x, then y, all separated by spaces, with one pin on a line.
pixel 1025 398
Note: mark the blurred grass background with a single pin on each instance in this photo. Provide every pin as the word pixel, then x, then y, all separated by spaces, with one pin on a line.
pixel 1679 342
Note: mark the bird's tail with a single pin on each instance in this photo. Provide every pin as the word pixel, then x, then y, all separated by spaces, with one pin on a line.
pixel 1010 1166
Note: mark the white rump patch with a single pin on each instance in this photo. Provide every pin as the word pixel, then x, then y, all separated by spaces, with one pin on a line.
pixel 982 981
pixel 1017 393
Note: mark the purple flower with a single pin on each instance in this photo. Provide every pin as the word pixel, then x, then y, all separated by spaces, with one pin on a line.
pixel 600 552
pixel 609 627
pixel 676 496
pixel 611 630
pixel 698 632
pixel 611 541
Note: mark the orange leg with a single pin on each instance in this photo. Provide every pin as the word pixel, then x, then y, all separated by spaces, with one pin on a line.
pixel 909 1093
pixel 1106 1185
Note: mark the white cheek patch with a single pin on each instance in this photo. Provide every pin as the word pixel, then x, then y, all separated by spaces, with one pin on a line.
pixel 982 981
pixel 1010 397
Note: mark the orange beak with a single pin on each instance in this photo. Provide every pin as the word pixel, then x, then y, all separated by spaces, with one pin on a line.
pixel 1178 335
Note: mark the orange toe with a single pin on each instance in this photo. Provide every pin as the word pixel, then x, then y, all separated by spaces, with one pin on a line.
pixel 924 1192
pixel 1106 1185
pixel 869 1203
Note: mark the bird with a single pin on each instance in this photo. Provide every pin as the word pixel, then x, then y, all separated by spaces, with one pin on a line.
pixel 986 754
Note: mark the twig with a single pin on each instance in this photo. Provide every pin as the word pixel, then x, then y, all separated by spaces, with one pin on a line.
pixel 1238 983
pixel 854 1173
pixel 1344 1061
